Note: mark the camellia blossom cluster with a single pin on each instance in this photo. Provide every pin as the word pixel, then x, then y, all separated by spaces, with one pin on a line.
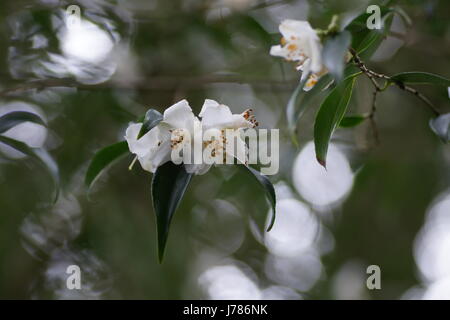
pixel 178 130
pixel 300 43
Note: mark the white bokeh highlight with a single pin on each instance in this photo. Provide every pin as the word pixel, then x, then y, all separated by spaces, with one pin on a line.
pixel 86 42
pixel 319 186
pixel 431 250
pixel 295 229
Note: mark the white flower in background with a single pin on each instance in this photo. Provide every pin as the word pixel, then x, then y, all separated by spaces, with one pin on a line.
pixel 301 43
pixel 313 77
pixel 178 129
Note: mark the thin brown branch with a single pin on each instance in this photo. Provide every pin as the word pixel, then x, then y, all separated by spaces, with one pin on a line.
pixel 373 123
pixel 360 64
pixel 372 75
pixel 419 95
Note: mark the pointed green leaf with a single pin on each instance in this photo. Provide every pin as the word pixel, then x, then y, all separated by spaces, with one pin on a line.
pixel 269 189
pixel 169 184
pixel 334 53
pixel 151 120
pixel 441 126
pixel 421 78
pixel 12 119
pixel 39 154
pixel 330 115
pixel 353 121
pixel 102 159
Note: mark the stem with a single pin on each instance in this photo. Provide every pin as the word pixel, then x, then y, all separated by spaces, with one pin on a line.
pixel 373 123
pixel 132 163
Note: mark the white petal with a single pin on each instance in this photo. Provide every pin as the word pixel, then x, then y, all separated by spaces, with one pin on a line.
pixel 295 28
pixel 216 115
pixel 152 160
pixel 278 51
pixel 240 122
pixel 306 69
pixel 179 115
pixel 315 55
pixel 209 103
pixel 219 116
pixel 142 146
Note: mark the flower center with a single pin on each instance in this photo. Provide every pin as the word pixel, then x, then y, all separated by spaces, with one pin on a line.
pixel 178 138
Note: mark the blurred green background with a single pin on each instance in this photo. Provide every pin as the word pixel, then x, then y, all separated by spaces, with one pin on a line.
pixel 385 205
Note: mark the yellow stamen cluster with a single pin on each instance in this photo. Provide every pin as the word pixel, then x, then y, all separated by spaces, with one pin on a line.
pixel 178 136
pixel 217 146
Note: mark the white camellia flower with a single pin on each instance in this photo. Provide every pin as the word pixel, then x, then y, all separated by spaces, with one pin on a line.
pixel 217 121
pixel 301 43
pixel 178 129
pixel 155 147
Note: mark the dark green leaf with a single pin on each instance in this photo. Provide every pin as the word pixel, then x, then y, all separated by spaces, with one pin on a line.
pixel 269 189
pixel 39 154
pixel 12 119
pixel 441 126
pixel 334 53
pixel 151 120
pixel 352 121
pixel 421 78
pixel 169 184
pixel 102 159
pixel 330 115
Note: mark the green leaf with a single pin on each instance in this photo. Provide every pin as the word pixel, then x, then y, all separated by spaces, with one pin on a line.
pixel 151 120
pixel 334 53
pixel 169 184
pixel 441 126
pixel 12 119
pixel 421 78
pixel 270 192
pixel 300 100
pixel 102 159
pixel 41 155
pixel 352 121
pixel 330 115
